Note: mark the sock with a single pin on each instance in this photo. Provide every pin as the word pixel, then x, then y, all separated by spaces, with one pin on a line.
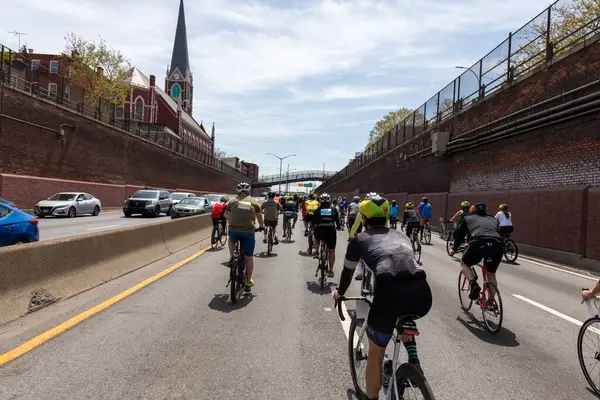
pixel 411 349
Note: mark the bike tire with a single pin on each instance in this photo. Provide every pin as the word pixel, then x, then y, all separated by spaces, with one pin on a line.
pixel 580 355
pixel 233 281
pixel 408 372
pixel 449 244
pixel 427 235
pixel 515 254
pixel 270 241
pixel 223 237
pixel 465 303
pixel 488 328
pixel 354 325
pixel 418 250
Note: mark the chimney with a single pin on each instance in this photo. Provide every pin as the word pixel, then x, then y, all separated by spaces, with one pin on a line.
pixel 30 51
pixel 152 80
pixel 100 70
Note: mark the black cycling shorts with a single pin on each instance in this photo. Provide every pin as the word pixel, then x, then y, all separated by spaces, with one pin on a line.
pixel 411 227
pixel 506 230
pixel 488 250
pixel 328 234
pixel 393 299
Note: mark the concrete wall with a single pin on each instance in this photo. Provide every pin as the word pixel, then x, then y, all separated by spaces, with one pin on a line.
pixel 93 153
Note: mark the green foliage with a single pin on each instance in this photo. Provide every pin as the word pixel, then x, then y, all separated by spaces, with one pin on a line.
pixel 387 123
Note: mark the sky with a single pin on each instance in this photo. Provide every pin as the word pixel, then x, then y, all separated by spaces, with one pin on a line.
pixel 303 77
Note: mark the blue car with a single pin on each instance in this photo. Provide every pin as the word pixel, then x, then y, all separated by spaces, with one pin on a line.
pixel 17 226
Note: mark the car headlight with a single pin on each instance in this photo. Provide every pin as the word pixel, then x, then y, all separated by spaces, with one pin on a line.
pixel 62 206
pixel 153 201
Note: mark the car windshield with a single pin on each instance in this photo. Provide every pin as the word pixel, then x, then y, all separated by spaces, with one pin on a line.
pixel 63 197
pixel 192 201
pixel 179 196
pixel 214 198
pixel 145 194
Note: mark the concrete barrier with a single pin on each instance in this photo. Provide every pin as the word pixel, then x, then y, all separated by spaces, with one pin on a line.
pixel 65 267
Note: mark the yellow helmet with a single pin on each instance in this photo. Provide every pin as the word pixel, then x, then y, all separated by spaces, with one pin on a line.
pixel 288 197
pixel 503 207
pixel 465 204
pixel 376 207
pixel 410 205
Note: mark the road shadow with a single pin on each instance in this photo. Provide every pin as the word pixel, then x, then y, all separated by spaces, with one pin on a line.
pixel 222 303
pixel 351 395
pixel 304 253
pixel 225 264
pixel 263 254
pixel 510 263
pixel 140 216
pixel 592 392
pixel 315 287
pixel 504 337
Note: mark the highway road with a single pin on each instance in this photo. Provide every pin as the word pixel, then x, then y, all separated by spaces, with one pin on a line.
pixel 179 338
pixel 54 228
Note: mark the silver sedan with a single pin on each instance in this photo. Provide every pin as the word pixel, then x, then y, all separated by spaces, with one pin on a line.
pixel 191 206
pixel 68 204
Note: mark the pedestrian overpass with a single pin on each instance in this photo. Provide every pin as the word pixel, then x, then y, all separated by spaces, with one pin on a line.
pixel 291 177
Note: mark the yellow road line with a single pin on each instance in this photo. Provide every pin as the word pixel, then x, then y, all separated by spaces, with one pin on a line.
pixel 49 334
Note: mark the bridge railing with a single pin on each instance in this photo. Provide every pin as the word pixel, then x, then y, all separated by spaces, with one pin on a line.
pixel 297 176
pixel 559 28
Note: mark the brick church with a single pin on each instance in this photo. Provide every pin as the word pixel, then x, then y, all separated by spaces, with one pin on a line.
pixel 171 107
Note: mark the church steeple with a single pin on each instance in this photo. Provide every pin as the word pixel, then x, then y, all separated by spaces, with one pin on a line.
pixel 179 81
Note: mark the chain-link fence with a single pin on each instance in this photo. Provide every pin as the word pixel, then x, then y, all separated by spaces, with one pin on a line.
pixel 41 78
pixel 560 27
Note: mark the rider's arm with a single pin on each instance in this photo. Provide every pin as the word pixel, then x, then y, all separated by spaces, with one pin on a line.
pixel 259 215
pixel 459 236
pixel 455 217
pixel 350 262
pixel 587 294
pixel 355 226
pixel 404 217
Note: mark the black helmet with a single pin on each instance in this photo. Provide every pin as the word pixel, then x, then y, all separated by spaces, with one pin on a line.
pixel 271 195
pixel 480 208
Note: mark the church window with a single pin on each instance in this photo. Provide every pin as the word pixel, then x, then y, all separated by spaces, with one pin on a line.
pixel 176 91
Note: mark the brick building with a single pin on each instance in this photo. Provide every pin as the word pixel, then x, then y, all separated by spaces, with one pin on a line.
pixel 248 169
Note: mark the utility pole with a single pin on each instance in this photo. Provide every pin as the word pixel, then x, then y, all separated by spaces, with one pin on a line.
pixel 280 165
pixel 287 178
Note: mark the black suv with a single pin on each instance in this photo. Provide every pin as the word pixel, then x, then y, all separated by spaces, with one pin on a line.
pixel 148 202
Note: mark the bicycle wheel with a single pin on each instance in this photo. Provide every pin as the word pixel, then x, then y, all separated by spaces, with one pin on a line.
pixel 358 349
pixel 411 380
pixel 491 309
pixel 511 251
pixel 214 240
pixel 427 235
pixel 323 266
pixel 592 349
pixel 270 241
pixel 233 281
pixel 464 289
pixel 449 243
pixel 417 249
pixel 223 236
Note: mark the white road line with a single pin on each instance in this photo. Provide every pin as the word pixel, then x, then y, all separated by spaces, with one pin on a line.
pixel 557 313
pixel 559 269
pixel 346 323
pixel 103 227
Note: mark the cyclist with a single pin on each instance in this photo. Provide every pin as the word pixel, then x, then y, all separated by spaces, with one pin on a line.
pixel 424 211
pixel 218 214
pixel 290 210
pixel 411 219
pixel 326 219
pixel 311 206
pixel 241 212
pixel 394 211
pixel 353 212
pixel 401 287
pixel 485 243
pixel 504 219
pixel 271 210
pixel 464 210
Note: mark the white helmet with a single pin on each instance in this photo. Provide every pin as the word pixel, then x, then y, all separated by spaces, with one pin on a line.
pixel 356 199
pixel 243 187
pixel 325 198
pixel 371 195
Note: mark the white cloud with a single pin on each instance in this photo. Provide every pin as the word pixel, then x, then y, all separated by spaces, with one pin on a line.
pixel 347 92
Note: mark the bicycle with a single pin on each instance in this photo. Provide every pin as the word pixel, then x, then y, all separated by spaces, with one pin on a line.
pixel 270 236
pixel 237 272
pixel 323 265
pixel 486 299
pixel 511 251
pixel 406 376
pixel 450 244
pixel 218 235
pixel 310 236
pixel 592 346
pixel 287 229
pixel 444 228
pixel 342 219
pixel 416 244
pixel 426 233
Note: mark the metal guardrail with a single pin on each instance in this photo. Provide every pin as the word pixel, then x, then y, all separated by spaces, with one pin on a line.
pixel 301 176
pixel 560 27
pixel 68 94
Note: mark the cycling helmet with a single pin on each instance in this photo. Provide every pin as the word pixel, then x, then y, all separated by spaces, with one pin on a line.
pixel 224 199
pixel 243 187
pixel 410 205
pixel 325 198
pixel 375 207
pixel 288 197
pixel 271 195
pixel 424 199
pixel 503 207
pixel 356 199
pixel 479 209
pixel 465 204
pixel 393 201
pixel 371 195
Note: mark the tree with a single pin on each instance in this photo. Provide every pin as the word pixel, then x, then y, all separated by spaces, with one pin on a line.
pixel 221 154
pixel 387 123
pixel 100 68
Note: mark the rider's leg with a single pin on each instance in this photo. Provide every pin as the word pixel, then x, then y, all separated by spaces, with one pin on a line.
pixel 295 220
pixel 471 257
pixel 411 348
pixel 248 251
pixel 373 372
pixel 331 247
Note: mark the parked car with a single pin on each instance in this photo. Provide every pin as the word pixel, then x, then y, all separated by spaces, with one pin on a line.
pixel 10 203
pixel 215 198
pixel 17 226
pixel 178 196
pixel 68 204
pixel 191 206
pixel 148 202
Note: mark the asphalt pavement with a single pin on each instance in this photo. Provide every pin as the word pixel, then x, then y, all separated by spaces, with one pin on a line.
pixel 180 338
pixel 57 227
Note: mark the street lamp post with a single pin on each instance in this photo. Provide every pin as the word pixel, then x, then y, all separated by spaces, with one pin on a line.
pixel 476 77
pixel 280 165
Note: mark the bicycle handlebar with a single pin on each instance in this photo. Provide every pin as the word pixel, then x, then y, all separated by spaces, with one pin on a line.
pixel 339 301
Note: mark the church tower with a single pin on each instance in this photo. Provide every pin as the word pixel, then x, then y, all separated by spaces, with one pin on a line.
pixel 179 83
